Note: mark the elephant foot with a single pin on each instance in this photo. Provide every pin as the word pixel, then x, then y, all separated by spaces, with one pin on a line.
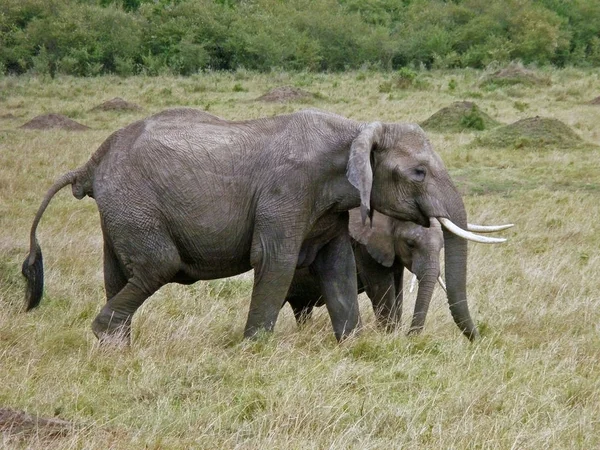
pixel 414 331
pixel 258 334
pixel 113 329
pixel 472 335
pixel 348 334
pixel 347 337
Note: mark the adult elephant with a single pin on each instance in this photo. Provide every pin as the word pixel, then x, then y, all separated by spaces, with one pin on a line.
pixel 383 249
pixel 186 196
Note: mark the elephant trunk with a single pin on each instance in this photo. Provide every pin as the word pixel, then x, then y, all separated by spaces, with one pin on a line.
pixel 426 286
pixel 456 271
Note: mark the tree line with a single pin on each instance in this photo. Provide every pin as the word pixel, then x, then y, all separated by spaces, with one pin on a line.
pixel 128 37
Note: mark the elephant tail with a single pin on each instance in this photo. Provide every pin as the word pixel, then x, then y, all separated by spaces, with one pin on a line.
pixel 33 266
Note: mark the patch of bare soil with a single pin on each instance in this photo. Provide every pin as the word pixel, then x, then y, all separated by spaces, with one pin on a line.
pixel 285 94
pixel 117 104
pixel 16 422
pixel 53 121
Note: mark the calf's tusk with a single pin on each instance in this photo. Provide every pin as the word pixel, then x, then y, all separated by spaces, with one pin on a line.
pixel 413 282
pixel 450 226
pixel 442 284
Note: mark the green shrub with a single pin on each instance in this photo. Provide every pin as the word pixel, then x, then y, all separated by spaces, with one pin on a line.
pixel 186 36
pixel 124 66
pixel 473 119
pixel 405 77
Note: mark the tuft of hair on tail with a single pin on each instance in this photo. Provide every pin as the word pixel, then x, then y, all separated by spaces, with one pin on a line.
pixel 33 271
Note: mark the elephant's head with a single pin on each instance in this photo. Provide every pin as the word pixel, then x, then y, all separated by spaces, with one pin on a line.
pixel 391 242
pixel 398 173
pixel 419 247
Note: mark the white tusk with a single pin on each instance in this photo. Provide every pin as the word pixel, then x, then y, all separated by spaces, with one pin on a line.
pixel 488 228
pixel 413 282
pixel 442 284
pixel 450 226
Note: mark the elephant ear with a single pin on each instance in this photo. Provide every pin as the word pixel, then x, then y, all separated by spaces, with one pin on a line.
pixel 377 238
pixel 359 170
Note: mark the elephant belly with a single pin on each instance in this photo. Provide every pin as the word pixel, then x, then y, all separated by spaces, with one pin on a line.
pixel 190 273
pixel 212 255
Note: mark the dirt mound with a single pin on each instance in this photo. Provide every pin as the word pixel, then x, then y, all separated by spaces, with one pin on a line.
pixel 16 422
pixel 285 94
pixel 536 132
pixel 117 104
pixel 515 73
pixel 459 116
pixel 53 121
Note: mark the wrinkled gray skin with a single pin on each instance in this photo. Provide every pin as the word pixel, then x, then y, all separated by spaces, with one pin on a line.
pixel 186 196
pixel 382 252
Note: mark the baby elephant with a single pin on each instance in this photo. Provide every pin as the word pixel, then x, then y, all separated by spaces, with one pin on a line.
pixel 382 251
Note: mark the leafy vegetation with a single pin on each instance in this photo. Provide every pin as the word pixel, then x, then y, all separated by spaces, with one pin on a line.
pixel 183 37
pixel 190 381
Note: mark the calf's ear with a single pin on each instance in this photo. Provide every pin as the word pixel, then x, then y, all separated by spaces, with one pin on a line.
pixel 377 237
pixel 359 171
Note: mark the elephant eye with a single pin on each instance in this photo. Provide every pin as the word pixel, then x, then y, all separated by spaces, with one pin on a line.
pixel 419 173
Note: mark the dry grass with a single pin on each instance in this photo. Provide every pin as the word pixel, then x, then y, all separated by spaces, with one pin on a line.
pixel 189 381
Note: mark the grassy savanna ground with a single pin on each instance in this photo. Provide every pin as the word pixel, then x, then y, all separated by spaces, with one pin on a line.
pixel 189 381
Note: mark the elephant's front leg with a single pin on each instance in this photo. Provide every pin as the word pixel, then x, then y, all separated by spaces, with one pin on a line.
pixel 336 270
pixel 274 257
pixel 383 285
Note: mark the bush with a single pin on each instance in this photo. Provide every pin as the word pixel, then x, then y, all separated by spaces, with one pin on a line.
pixel 473 119
pixel 405 77
pixel 186 36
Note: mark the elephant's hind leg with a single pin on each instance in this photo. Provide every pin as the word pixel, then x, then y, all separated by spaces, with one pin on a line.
pixel 114 277
pixel 113 324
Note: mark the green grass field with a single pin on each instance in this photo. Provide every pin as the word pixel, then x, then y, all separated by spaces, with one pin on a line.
pixel 190 381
